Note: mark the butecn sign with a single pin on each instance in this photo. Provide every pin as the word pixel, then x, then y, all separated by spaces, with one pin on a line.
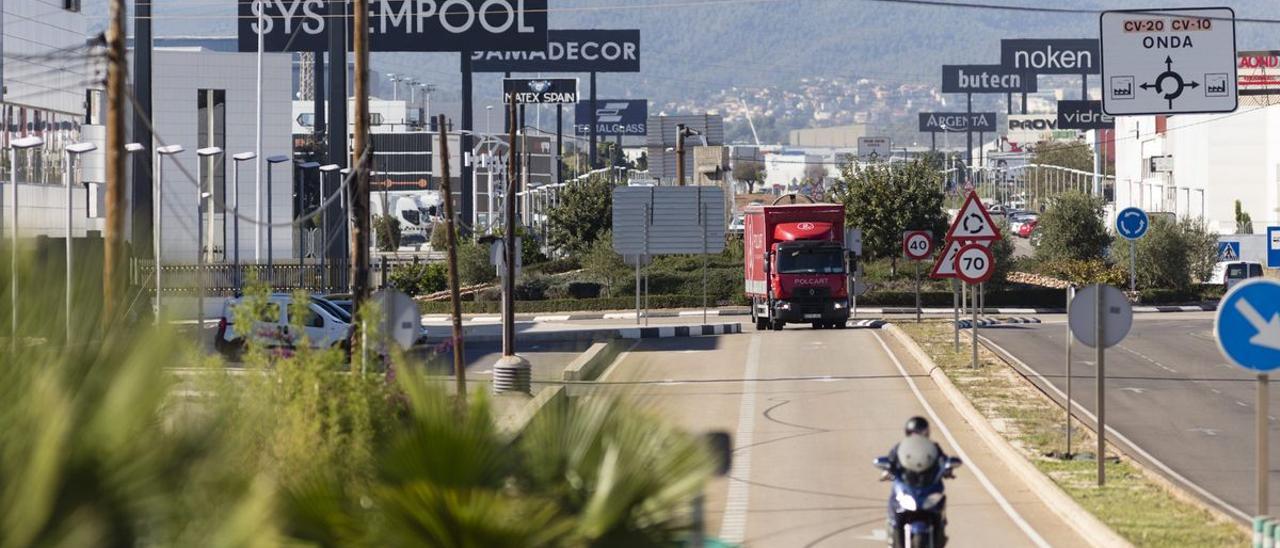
pixel 986 79
pixel 1070 56
pixel 400 25
pixel 954 122
pixel 569 51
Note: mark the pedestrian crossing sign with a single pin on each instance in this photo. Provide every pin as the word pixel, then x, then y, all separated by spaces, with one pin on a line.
pixel 1228 251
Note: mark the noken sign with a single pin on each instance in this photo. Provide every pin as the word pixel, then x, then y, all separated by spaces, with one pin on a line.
pixel 569 51
pixel 1035 56
pixel 399 25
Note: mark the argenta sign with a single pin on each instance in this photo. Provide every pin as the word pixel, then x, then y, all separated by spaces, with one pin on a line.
pixel 399 25
pixel 540 91
pixel 986 79
pixel 1037 56
pixel 569 51
pixel 953 122
pixel 614 117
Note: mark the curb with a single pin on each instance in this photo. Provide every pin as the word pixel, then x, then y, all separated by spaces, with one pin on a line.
pixel 597 335
pixel 588 365
pixel 670 331
pixel 1067 509
pixel 966 324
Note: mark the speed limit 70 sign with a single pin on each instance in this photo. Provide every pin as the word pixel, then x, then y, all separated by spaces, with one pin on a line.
pixel 975 264
pixel 917 245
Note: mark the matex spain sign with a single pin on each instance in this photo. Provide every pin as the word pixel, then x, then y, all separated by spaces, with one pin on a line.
pixel 540 91
pixel 398 25
pixel 957 122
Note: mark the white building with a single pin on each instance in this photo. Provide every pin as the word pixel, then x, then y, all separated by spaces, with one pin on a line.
pixel 1200 165
pixel 203 98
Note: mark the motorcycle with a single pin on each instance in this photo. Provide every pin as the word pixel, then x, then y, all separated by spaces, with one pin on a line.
pixel 918 500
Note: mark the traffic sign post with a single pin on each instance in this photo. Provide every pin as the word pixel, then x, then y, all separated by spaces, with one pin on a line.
pixel 974 265
pixel 1247 328
pixel 1099 326
pixel 917 245
pixel 1132 223
pixel 1168 61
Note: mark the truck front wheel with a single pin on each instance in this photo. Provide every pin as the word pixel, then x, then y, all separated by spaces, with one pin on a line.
pixel 778 324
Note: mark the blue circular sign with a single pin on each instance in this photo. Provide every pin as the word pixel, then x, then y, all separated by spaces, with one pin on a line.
pixel 1247 325
pixel 1132 223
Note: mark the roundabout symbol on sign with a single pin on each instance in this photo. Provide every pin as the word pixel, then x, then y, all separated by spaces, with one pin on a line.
pixel 1132 223
pixel 975 264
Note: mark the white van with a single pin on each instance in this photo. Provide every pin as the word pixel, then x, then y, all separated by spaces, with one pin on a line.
pixel 326 325
pixel 1229 273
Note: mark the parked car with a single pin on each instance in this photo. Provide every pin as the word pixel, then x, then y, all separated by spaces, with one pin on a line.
pixel 349 308
pixel 1019 218
pixel 1027 227
pixel 326 325
pixel 737 226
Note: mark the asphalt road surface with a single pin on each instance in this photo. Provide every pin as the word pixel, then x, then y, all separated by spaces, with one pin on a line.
pixel 808 411
pixel 1170 392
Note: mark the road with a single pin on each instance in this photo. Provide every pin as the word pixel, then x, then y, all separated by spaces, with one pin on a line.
pixel 1169 391
pixel 808 411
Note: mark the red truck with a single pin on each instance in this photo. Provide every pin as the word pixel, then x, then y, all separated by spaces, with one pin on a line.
pixel 796 267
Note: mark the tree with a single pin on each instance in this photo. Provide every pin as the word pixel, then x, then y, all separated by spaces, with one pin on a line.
pixel 1073 228
pixel 583 214
pixel 749 171
pixel 387 227
pixel 1173 254
pixel 1069 155
pixel 603 264
pixel 885 200
pixel 1244 222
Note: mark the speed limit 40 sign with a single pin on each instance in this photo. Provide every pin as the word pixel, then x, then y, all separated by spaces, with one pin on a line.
pixel 917 245
pixel 975 264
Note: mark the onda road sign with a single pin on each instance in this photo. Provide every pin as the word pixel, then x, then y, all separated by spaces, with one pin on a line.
pixel 1168 61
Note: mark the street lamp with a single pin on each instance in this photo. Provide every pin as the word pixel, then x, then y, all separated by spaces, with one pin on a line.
pixel 235 209
pixel 207 152
pixel 271 162
pixel 23 143
pixel 161 152
pixel 325 170
pixel 488 109
pixel 395 86
pixel 72 151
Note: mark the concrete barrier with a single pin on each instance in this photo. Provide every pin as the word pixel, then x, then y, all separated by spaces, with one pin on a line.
pixel 590 364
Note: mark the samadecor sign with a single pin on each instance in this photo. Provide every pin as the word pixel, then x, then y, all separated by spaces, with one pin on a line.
pixel 399 25
pixel 569 51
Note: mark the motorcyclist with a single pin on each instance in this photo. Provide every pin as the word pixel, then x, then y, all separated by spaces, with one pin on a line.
pixel 915 426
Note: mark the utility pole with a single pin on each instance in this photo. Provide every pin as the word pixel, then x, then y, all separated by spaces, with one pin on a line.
pixel 112 261
pixel 680 154
pixel 359 202
pixel 455 300
pixel 509 241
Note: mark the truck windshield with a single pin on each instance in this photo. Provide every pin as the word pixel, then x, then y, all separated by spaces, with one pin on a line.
pixel 810 261
pixel 411 215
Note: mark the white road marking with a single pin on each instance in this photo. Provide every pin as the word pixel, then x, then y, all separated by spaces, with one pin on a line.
pixel 1136 449
pixel 970 463
pixel 876 534
pixel 560 318
pixel 1205 431
pixel 733 527
pixel 1241 404
pixel 1133 389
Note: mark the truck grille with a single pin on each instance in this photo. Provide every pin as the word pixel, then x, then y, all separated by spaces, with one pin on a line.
pixel 802 294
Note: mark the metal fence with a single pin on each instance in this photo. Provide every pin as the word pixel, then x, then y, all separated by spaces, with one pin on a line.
pixel 228 279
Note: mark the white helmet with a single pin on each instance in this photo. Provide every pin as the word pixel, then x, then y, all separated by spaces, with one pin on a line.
pixel 917 453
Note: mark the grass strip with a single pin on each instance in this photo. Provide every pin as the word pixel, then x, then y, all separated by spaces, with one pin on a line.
pixel 1137 507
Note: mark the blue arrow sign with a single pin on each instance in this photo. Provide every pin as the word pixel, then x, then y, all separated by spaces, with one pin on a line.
pixel 1132 223
pixel 1247 325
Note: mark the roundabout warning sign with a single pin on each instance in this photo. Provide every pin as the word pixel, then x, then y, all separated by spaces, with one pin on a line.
pixel 1168 61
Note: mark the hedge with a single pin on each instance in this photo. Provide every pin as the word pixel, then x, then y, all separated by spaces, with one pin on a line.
pixel 1022 298
pixel 575 305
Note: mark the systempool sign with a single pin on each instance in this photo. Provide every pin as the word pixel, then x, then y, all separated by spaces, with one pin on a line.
pixel 399 25
pixel 952 122
pixel 569 51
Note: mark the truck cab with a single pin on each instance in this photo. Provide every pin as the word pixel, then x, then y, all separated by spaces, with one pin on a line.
pixel 796 265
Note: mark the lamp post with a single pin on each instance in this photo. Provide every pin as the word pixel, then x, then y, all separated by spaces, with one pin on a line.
pixel 488 109
pixel 395 86
pixel 23 143
pixel 161 152
pixel 72 151
pixel 235 210
pixel 271 162
pixel 325 170
pixel 201 195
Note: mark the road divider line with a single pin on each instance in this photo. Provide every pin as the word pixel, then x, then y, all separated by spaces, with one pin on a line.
pixel 1114 435
pixel 733 527
pixel 973 465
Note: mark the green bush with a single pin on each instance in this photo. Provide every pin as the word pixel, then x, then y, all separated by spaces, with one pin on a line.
pixel 440 237
pixel 473 264
pixel 420 279
pixel 1174 255
pixel 1085 272
pixel 1073 228
pixel 583 290
pixel 387 228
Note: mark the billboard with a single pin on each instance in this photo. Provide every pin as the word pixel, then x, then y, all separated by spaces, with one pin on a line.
pixel 986 79
pixel 1085 115
pixel 1036 56
pixel 569 51
pixel 1029 129
pixel 399 25
pixel 1258 78
pixel 614 117
pixel 540 91
pixel 875 147
pixel 957 122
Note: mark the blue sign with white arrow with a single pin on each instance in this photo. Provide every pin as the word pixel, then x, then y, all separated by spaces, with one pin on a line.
pixel 1247 325
pixel 1132 223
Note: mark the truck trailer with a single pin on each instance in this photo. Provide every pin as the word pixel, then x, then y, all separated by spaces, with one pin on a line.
pixel 796 267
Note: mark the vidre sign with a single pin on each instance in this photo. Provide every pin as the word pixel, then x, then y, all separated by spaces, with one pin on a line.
pixel 398 25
